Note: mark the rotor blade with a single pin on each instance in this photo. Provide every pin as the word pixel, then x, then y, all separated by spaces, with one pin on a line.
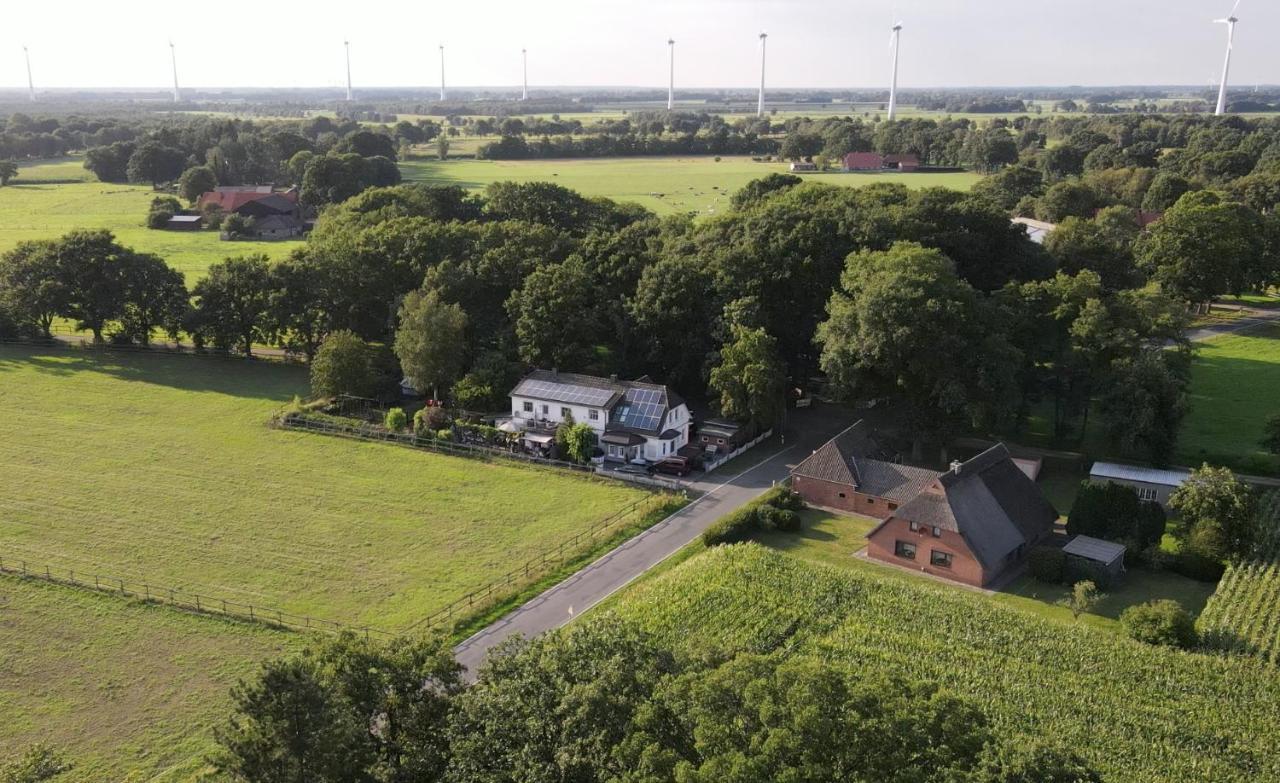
pixel 1234 8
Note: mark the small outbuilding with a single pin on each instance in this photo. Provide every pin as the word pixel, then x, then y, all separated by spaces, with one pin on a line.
pixel 1096 553
pixel 183 223
pixel 1153 484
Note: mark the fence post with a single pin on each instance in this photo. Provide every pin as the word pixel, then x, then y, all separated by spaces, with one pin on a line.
pixel 95 583
pixel 251 611
pixel 122 587
pixel 197 602
pixel 147 589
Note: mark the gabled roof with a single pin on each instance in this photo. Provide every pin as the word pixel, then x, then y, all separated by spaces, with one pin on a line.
pixel 987 500
pixel 634 406
pixel 231 197
pixel 1116 472
pixel 849 458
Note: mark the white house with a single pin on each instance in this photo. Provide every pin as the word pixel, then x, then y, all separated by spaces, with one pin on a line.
pixel 635 421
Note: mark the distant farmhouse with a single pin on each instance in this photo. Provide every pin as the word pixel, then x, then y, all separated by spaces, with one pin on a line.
pixel 969 524
pixel 275 214
pixel 636 421
pixel 874 161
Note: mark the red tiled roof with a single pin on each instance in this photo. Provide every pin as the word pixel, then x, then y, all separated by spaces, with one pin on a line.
pixel 864 160
pixel 231 198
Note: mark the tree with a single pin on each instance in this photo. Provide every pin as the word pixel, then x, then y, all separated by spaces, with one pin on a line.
pixel 238 226
pixel 195 182
pixel 155 163
pixel 1114 512
pixel 289 727
pixel 154 297
pixel 579 442
pixel 750 378
pixel 1010 185
pixel 1160 622
pixel 1270 433
pixel 555 315
pixel 298 315
pixel 332 178
pixel 8 170
pixel 757 190
pixel 92 265
pixel 343 365
pixel 111 162
pixel 442 147
pixel 1217 513
pixel 1164 192
pixel 1203 247
pixel 232 301
pixel 1084 596
pixel 368 144
pixel 674 302
pixel 33 290
pixel 1066 199
pixel 431 340
pixel 36 765
pixel 1145 402
pixel 1103 244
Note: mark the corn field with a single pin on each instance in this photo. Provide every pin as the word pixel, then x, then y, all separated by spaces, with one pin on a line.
pixel 1137 712
pixel 1243 615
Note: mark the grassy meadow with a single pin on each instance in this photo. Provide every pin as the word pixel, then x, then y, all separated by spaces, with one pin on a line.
pixel 1235 386
pixel 49 199
pixel 162 469
pixel 665 185
pixel 127 691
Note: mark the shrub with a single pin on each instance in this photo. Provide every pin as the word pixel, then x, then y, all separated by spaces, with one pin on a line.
pixel 158 218
pixel 782 497
pixel 1047 564
pixel 1080 570
pixel 444 434
pixel 1162 622
pixel 732 529
pixel 341 366
pixel 786 520
pixel 1194 565
pixel 395 419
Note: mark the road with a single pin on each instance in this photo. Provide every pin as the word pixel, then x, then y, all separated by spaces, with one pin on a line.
pixel 588 587
pixel 1256 317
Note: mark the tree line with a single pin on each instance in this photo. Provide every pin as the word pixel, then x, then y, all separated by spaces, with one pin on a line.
pixel 605 701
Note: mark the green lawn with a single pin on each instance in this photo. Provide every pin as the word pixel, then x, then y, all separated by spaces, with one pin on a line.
pixel 664 185
pixel 162 469
pixel 46 210
pixel 127 691
pixel 1235 386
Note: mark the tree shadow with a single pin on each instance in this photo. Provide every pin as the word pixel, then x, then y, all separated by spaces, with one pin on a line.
pixel 246 378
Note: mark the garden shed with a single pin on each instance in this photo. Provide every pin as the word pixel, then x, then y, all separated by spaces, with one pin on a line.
pixel 1097 554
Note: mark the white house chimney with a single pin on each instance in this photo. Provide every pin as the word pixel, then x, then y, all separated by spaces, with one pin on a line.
pixel 955 466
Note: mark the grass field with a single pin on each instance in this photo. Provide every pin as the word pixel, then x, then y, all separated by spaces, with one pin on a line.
pixel 664 185
pixel 162 469
pixel 1138 712
pixel 34 209
pixel 127 691
pixel 1235 386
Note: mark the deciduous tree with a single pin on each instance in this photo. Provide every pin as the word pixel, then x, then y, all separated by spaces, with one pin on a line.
pixel 749 379
pixel 431 340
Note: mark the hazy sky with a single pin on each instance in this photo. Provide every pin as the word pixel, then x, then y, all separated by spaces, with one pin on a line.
pixel 812 43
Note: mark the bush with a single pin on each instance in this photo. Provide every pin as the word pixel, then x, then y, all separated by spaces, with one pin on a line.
pixel 732 529
pixel 1047 564
pixel 786 520
pixel 1162 622
pixel 782 497
pixel 1194 565
pixel 1079 570
pixel 341 366
pixel 395 419
pixel 158 218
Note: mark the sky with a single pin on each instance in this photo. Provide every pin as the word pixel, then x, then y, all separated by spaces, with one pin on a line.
pixel 812 43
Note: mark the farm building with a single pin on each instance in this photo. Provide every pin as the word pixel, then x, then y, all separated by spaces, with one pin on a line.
pixel 183 223
pixel 720 436
pixel 1037 230
pixel 276 214
pixel 971 524
pixel 233 198
pixel 863 161
pixel 1150 483
pixel 906 162
pixel 849 473
pixel 804 166
pixel 635 421
pixel 1095 553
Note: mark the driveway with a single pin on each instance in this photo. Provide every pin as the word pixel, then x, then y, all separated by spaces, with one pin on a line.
pixel 1255 318
pixel 723 492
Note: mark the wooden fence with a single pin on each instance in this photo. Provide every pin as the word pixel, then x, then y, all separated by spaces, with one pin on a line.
pixel 184 599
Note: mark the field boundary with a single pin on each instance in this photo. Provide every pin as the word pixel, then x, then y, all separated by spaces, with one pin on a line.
pixel 184 600
pixel 72 340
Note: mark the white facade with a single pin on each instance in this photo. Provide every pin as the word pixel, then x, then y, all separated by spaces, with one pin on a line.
pixel 532 412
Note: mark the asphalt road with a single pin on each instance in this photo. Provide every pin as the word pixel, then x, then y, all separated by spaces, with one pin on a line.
pixel 1255 318
pixel 722 493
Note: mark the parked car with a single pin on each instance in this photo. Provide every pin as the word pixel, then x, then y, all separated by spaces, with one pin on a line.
pixel 639 470
pixel 673 466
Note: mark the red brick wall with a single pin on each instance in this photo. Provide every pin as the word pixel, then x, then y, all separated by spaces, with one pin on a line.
pixel 964 568
pixel 828 494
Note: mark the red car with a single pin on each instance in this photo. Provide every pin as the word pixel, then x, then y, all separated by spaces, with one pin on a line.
pixel 673 466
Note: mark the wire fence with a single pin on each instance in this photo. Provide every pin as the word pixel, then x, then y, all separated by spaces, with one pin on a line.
pixel 184 599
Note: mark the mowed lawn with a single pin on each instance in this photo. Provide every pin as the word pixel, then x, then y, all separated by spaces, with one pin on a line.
pixel 664 185
pixel 163 469
pixel 41 204
pixel 1235 386
pixel 125 690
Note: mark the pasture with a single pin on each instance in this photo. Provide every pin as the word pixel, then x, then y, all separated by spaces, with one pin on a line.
pixel 1139 713
pixel 665 185
pixel 49 199
pixel 161 469
pixel 1233 390
pixel 127 691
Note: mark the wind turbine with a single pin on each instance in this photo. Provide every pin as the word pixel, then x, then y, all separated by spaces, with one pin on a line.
pixel 31 85
pixel 895 42
pixel 524 53
pixel 1230 22
pixel 173 59
pixel 671 88
pixel 346 45
pixel 760 102
pixel 442 93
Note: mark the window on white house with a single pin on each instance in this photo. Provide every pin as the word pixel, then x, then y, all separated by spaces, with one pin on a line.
pixel 528 407
pixel 593 414
pixel 545 410
pixel 1146 493
pixel 904 549
pixel 940 559
pixel 565 413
